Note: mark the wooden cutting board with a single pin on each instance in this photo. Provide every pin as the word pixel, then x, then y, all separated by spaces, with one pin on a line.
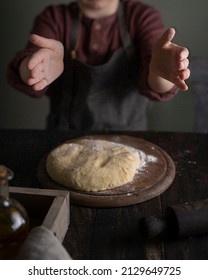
pixel 150 182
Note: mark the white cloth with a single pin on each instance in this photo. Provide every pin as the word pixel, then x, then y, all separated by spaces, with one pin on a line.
pixel 42 244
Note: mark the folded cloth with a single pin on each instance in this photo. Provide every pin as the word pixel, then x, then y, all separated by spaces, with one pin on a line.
pixel 42 244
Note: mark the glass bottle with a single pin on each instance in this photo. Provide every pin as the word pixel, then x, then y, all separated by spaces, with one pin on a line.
pixel 14 221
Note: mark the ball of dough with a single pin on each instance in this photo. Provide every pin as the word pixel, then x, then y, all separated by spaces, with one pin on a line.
pixel 93 165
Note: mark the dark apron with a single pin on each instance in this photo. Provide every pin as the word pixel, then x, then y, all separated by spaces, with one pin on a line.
pixel 104 97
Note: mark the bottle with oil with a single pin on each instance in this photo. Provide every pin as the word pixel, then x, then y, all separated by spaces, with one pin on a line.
pixel 14 221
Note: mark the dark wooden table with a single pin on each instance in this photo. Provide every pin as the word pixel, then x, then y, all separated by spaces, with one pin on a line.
pixel 114 233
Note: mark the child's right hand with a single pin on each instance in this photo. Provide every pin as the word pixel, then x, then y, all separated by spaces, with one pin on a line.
pixel 45 65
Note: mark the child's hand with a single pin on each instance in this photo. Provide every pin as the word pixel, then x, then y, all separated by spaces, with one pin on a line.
pixel 45 65
pixel 170 61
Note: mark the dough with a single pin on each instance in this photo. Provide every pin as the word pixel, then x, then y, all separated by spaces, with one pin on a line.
pixel 93 165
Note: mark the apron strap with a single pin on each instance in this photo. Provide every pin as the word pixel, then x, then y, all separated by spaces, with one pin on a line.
pixel 124 33
pixel 74 35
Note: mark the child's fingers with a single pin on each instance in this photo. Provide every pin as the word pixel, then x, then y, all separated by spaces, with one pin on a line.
pixel 167 37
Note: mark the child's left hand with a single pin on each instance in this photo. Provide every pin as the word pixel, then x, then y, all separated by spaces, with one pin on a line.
pixel 170 61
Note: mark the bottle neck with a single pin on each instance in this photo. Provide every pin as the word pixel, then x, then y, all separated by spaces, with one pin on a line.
pixel 4 189
pixel 5 176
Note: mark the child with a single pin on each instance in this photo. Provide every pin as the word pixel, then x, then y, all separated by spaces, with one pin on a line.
pixel 100 62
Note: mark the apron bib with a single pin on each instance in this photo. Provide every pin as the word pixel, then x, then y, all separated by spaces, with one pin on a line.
pixel 104 97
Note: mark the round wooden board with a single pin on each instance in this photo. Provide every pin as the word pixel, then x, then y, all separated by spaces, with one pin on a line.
pixel 150 182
